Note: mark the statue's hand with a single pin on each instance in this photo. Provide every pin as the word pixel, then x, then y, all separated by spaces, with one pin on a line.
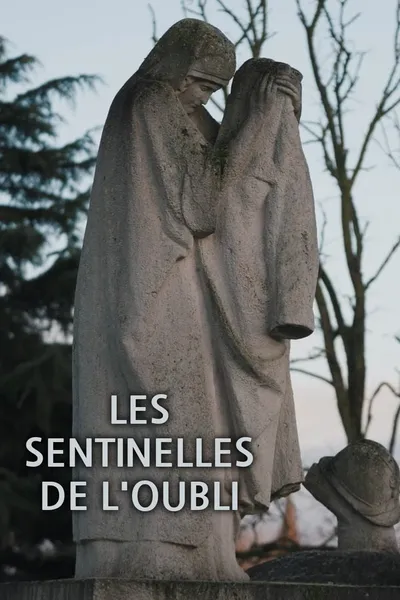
pixel 268 86
pixel 286 86
pixel 262 93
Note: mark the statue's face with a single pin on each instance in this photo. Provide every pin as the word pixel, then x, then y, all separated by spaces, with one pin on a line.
pixel 195 92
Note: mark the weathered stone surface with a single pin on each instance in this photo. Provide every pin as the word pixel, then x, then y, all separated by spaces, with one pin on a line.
pixel 361 486
pixel 129 590
pixel 140 326
pixel 334 567
pixel 198 267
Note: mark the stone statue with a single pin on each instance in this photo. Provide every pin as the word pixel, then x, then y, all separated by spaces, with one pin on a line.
pixel 147 318
pixel 261 267
pixel 361 486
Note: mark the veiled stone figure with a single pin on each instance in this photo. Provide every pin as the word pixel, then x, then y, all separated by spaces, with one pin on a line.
pixel 261 267
pixel 145 309
pixel 141 324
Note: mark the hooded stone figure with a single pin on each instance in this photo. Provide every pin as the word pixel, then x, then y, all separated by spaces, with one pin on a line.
pixel 261 267
pixel 141 323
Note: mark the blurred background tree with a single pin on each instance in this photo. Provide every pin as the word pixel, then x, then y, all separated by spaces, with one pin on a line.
pixel 43 200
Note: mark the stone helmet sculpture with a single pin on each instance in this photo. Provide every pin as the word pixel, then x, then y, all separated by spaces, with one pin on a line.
pixel 366 475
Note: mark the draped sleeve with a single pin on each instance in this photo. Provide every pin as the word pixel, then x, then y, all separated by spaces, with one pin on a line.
pixel 291 236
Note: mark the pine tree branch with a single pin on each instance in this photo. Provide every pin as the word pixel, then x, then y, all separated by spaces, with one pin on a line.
pixel 16 70
pixel 65 88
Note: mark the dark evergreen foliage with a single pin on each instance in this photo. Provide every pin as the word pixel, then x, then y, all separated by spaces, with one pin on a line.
pixel 44 191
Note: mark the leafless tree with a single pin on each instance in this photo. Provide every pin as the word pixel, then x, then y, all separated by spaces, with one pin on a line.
pixel 336 83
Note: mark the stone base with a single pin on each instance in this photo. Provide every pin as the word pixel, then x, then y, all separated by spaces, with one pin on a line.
pixel 114 589
pixel 334 567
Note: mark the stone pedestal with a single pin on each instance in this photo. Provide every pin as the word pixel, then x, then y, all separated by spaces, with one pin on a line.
pixel 109 589
pixel 333 567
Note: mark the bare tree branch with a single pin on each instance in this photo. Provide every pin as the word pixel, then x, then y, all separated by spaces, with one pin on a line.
pixel 335 84
pixel 311 374
pixel 310 27
pixel 381 386
pixel 386 146
pixel 253 28
pixel 313 356
pixel 154 35
pixel 323 231
pixel 390 93
pixel 341 326
pixel 200 13
pixel 384 264
pixel 392 441
pixel 333 361
pixel 245 29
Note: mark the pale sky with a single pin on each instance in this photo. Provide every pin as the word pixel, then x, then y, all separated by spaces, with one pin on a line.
pixel 112 38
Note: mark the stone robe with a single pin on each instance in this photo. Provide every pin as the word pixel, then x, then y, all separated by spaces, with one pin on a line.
pixel 141 322
pixel 261 268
